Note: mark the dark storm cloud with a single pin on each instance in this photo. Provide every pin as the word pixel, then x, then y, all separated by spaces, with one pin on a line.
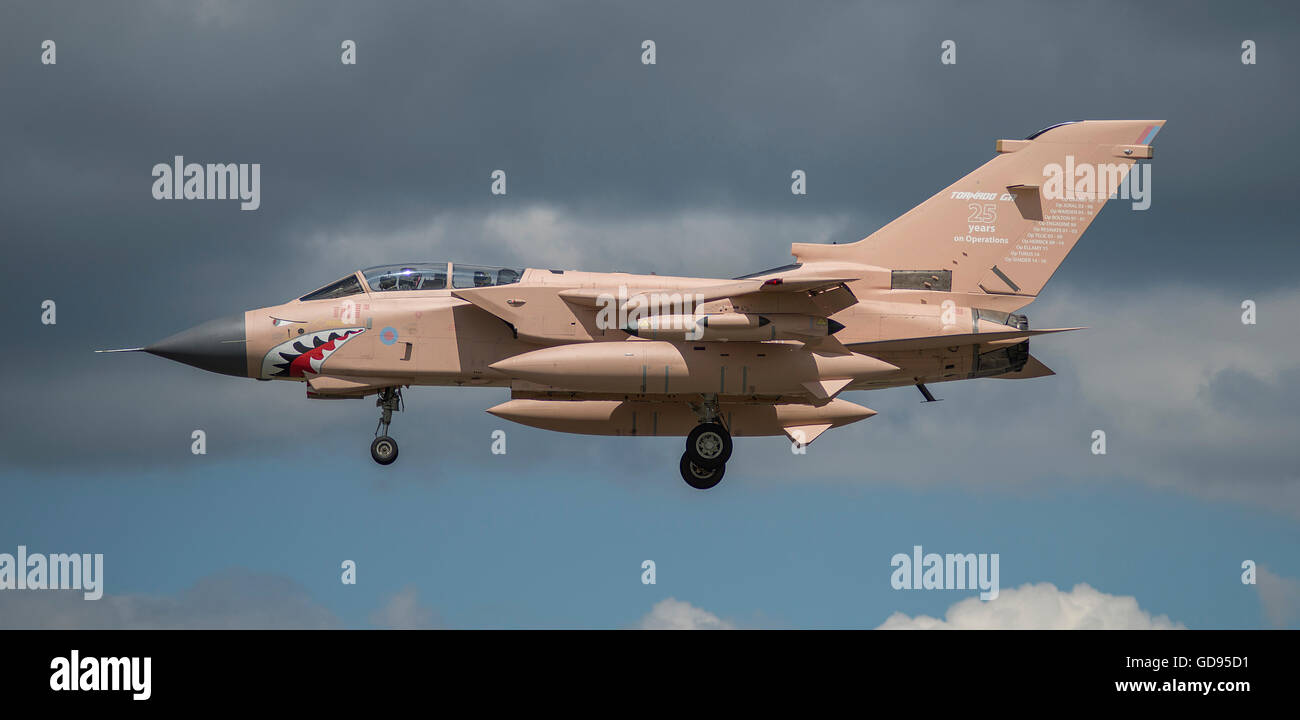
pixel 555 94
pixel 682 166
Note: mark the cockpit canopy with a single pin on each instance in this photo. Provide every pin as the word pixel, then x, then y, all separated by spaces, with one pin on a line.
pixel 412 276
pixel 347 286
pixel 416 276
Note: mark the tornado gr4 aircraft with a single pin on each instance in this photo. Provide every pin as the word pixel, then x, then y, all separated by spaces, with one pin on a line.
pixel 930 297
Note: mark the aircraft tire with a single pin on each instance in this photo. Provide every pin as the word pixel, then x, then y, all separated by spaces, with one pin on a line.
pixel 384 450
pixel 698 477
pixel 709 445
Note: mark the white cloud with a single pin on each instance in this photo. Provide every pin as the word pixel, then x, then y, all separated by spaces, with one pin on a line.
pixel 404 611
pixel 1040 607
pixel 1279 595
pixel 674 614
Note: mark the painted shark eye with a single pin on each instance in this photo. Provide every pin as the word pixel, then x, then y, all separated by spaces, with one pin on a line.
pixel 281 322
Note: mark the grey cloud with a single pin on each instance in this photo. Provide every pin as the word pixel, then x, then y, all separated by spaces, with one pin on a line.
pixel 134 410
pixel 1189 397
pixel 233 599
pixel 1241 393
pixel 1204 411
pixel 557 96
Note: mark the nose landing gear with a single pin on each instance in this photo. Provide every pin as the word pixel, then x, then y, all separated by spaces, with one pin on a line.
pixel 384 448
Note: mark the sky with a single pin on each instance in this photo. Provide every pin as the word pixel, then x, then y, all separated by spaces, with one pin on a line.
pixel 678 167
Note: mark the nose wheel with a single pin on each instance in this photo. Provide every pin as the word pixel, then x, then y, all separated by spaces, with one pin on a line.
pixel 384 449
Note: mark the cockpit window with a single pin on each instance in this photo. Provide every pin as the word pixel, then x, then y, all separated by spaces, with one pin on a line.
pixel 347 286
pixel 433 276
pixel 413 276
pixel 472 276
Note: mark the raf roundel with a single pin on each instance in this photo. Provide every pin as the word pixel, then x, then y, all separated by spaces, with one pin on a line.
pixel 388 335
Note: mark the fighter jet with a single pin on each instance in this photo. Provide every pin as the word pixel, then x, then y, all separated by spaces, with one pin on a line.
pixel 931 297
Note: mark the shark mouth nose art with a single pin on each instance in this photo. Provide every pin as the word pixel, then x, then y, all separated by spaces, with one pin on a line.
pixel 304 355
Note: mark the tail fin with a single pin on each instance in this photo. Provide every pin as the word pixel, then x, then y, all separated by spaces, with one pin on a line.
pixel 1005 228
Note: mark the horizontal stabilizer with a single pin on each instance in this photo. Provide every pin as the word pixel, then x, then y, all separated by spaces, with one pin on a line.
pixel 805 434
pixel 1032 369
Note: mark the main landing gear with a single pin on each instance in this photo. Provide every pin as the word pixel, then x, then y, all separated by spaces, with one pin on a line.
pixel 708 447
pixel 384 448
pixel 698 477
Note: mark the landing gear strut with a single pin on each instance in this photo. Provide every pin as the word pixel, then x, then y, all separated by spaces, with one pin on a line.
pixel 384 448
pixel 708 447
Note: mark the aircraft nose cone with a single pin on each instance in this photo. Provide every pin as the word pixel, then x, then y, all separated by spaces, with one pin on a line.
pixel 219 346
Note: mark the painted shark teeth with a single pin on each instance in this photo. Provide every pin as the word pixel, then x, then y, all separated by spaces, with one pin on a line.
pixel 305 354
